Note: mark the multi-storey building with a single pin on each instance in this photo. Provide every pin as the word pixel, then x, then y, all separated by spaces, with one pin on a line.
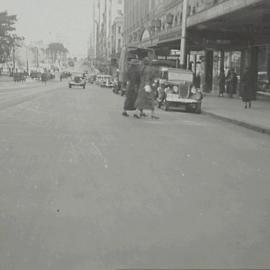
pixel 103 18
pixel 236 30
pixel 117 36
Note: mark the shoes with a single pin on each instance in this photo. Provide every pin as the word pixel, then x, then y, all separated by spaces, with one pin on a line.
pixel 125 114
pixel 136 116
pixel 154 117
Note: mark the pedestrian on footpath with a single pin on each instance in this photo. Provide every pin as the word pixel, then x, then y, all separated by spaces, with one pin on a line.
pixel 233 83
pixel 246 88
pixel 133 83
pixel 146 94
pixel 221 83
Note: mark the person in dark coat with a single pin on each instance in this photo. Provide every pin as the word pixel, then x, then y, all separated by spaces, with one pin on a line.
pixel 197 81
pixel 234 82
pixel 146 95
pixel 221 83
pixel 231 83
pixel 44 77
pixel 133 82
pixel 246 88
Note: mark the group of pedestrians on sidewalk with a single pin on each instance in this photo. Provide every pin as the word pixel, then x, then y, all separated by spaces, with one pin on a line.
pixel 229 83
pixel 140 93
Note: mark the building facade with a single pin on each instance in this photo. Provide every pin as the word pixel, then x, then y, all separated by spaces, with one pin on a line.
pixel 104 15
pixel 117 36
pixel 220 33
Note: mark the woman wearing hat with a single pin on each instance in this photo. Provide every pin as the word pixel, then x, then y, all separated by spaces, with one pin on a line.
pixel 146 94
pixel 133 82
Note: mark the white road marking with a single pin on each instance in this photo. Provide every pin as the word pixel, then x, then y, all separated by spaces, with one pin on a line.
pixel 100 154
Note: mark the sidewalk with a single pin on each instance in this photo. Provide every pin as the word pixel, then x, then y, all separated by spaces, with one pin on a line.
pixel 232 110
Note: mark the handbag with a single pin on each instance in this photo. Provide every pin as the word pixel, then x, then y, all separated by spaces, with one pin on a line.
pixel 147 88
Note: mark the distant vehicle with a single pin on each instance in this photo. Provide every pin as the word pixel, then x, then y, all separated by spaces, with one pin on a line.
pixel 71 63
pixel 35 75
pixel 116 86
pixel 77 79
pixel 92 78
pixel 104 80
pixel 66 74
pixel 108 82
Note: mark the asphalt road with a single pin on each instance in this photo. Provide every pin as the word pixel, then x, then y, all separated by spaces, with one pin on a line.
pixel 82 187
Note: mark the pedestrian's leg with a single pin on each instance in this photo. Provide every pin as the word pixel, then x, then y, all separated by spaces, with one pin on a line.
pixel 142 114
pixel 137 114
pixel 124 113
pixel 245 105
pixel 249 104
pixel 153 116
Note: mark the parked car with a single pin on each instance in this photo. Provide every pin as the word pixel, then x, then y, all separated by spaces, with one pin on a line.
pixel 176 90
pixel 77 79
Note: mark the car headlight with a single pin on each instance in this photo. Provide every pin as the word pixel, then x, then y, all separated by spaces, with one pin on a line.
pixel 193 90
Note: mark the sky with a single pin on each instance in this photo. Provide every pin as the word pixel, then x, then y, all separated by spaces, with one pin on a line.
pixel 66 21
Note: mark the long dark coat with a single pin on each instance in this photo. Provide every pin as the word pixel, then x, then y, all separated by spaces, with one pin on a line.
pixel 221 83
pixel 146 100
pixel 133 79
pixel 246 87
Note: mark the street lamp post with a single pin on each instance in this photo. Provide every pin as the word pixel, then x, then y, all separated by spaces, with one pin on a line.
pixel 27 64
pixel 37 58
pixel 183 35
pixel 13 60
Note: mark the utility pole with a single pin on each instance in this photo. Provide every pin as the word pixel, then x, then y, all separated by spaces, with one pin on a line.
pixel 105 28
pixel 27 64
pixel 94 30
pixel 13 59
pixel 183 35
pixel 37 57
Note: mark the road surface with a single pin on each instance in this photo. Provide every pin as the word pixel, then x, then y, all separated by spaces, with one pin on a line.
pixel 82 187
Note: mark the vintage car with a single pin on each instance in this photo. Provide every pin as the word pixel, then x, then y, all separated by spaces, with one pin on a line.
pixel 77 79
pixel 176 90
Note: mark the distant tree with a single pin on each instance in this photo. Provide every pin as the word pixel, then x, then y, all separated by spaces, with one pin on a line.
pixel 56 50
pixel 8 40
